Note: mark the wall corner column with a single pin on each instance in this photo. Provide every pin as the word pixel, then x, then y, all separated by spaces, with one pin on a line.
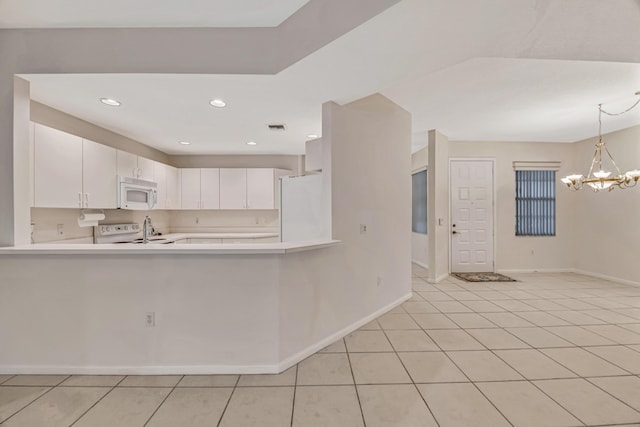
pixel 438 206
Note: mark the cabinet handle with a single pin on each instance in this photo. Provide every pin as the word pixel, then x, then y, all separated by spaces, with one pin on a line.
pixel 80 200
pixel 86 200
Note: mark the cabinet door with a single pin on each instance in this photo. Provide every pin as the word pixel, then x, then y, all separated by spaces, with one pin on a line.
pixel 172 176
pixel 57 169
pixel 99 175
pixel 233 188
pixel 210 188
pixel 260 189
pixel 145 168
pixel 160 177
pixel 190 186
pixel 127 164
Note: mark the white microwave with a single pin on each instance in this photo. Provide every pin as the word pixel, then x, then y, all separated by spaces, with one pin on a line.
pixel 136 194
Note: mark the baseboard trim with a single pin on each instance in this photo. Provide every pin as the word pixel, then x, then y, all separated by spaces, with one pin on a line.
pixel 138 370
pixel 200 369
pixel 421 264
pixel 572 270
pixel 536 270
pixel 303 354
pixel 439 278
pixel 605 277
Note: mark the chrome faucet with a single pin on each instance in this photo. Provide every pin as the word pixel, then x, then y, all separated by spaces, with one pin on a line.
pixel 145 229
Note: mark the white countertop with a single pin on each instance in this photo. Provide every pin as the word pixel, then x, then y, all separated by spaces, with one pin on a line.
pixel 179 236
pixel 160 249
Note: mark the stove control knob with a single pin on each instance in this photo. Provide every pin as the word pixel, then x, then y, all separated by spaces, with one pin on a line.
pixel 126 227
pixel 103 229
pixel 109 228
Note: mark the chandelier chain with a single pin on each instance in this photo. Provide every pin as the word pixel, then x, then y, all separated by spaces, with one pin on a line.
pixel 622 112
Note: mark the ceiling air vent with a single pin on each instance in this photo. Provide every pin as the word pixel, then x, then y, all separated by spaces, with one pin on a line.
pixel 277 127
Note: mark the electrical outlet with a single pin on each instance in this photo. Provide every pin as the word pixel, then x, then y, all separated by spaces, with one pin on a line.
pixel 150 319
pixel 60 230
pixel 197 220
pixel 532 252
pixel 379 281
pixel 363 228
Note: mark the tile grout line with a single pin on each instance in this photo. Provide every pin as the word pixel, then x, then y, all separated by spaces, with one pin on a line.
pixel 28 404
pixel 295 391
pixel 224 411
pixel 355 384
pixel 164 400
pixel 99 400
pixel 415 386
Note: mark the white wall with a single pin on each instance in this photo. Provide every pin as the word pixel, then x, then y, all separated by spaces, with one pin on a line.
pixel 86 314
pixel 367 152
pixel 438 206
pixel 607 235
pixel 520 252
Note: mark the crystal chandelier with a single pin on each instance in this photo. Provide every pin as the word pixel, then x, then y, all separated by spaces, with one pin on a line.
pixel 598 178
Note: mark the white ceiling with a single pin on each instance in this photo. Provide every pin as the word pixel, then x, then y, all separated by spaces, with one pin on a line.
pixel 145 13
pixel 500 70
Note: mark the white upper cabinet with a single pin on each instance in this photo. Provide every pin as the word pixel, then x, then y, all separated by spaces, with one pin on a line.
pixel 260 188
pixel 70 172
pixel 160 177
pixel 145 168
pixel 190 188
pixel 200 188
pixel 209 188
pixel 57 169
pixel 127 164
pixel 233 188
pixel 172 176
pixel 99 177
pixel 133 166
pixel 253 188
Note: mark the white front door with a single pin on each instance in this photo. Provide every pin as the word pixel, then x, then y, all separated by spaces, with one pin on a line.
pixel 471 216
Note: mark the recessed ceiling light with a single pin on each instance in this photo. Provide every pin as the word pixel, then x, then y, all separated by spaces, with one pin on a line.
pixel 312 136
pixel 185 143
pixel 111 102
pixel 218 103
pixel 252 143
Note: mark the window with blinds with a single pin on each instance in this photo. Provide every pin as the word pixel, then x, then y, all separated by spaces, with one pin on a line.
pixel 419 202
pixel 535 202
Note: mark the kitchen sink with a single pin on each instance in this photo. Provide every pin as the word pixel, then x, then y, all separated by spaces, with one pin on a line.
pixel 153 240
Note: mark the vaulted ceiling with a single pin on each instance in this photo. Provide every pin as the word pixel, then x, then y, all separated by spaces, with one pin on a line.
pixel 491 70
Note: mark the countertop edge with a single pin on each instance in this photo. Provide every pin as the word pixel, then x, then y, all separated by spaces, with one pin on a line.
pixel 200 249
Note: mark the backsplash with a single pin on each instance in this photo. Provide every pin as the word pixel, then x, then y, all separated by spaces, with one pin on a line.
pixel 46 222
pixel 224 221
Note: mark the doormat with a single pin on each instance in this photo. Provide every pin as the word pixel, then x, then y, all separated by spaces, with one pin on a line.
pixel 483 277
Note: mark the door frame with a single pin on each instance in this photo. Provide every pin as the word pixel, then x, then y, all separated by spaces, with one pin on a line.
pixel 493 203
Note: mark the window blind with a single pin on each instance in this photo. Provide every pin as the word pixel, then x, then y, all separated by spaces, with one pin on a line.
pixel 419 202
pixel 535 203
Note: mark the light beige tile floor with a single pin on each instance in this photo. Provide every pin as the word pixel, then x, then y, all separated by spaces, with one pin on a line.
pixel 549 350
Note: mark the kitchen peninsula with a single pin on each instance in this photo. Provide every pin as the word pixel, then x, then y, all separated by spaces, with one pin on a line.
pixel 224 308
